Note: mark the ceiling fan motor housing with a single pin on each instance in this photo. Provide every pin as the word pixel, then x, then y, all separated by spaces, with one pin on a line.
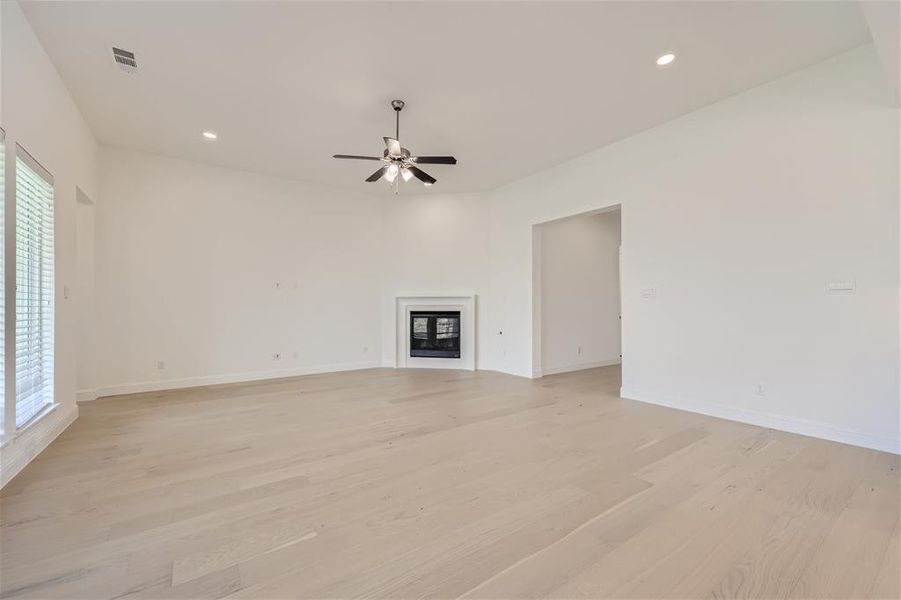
pixel 404 153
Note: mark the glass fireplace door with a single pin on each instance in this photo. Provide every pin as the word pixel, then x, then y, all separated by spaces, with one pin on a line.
pixel 435 334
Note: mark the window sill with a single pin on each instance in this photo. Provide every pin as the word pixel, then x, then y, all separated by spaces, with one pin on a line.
pixel 33 421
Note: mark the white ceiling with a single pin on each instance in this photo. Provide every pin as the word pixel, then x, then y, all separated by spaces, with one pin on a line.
pixel 507 88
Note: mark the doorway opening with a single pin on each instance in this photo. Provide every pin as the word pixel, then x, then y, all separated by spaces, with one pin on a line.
pixel 577 320
pixel 84 295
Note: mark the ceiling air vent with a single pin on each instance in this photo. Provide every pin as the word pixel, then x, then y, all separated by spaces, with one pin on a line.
pixel 124 59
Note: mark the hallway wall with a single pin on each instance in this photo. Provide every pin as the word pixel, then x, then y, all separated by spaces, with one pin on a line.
pixel 580 302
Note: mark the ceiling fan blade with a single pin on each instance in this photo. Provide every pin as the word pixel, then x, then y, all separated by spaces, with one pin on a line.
pixel 435 160
pixel 422 175
pixel 356 157
pixel 377 175
pixel 393 146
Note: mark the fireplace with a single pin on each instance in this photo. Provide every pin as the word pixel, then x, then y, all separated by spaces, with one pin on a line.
pixel 423 342
pixel 435 334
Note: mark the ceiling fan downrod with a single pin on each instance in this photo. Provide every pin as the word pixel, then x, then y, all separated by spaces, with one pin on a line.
pixel 397 105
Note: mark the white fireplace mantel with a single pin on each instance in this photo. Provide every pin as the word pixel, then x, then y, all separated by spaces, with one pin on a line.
pixel 465 303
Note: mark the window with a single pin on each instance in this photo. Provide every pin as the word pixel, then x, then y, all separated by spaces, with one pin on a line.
pixel 421 328
pixel 2 279
pixel 34 287
pixel 447 327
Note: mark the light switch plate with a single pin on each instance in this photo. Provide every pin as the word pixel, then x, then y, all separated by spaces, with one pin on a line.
pixel 833 287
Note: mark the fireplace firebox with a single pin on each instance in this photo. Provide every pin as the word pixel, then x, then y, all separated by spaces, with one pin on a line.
pixel 435 334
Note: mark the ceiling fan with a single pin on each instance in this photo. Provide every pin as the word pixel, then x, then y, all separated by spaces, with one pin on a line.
pixel 399 163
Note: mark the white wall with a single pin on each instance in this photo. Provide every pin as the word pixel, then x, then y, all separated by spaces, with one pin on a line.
pixel 213 271
pixel 435 245
pixel 580 324
pixel 737 215
pixel 38 113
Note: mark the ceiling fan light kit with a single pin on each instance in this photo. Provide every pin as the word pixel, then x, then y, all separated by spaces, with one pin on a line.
pixel 399 160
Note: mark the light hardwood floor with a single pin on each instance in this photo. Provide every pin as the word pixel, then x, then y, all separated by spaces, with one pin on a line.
pixel 418 483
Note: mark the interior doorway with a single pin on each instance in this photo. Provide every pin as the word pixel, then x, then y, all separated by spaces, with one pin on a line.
pixel 84 295
pixel 577 301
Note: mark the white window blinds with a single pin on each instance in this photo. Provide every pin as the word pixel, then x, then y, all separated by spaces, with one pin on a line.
pixel 34 287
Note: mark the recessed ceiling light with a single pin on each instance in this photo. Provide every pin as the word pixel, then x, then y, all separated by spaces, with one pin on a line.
pixel 666 59
pixel 210 135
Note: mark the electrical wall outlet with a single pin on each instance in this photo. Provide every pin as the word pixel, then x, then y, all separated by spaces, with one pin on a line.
pixel 760 390
pixel 579 351
pixel 160 365
pixel 277 356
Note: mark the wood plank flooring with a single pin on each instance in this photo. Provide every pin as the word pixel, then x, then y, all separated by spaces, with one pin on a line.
pixel 442 484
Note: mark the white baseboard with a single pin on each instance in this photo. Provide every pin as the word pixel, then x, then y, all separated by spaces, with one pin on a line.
pixel 186 382
pixel 580 367
pixel 771 421
pixel 85 395
pixel 22 449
